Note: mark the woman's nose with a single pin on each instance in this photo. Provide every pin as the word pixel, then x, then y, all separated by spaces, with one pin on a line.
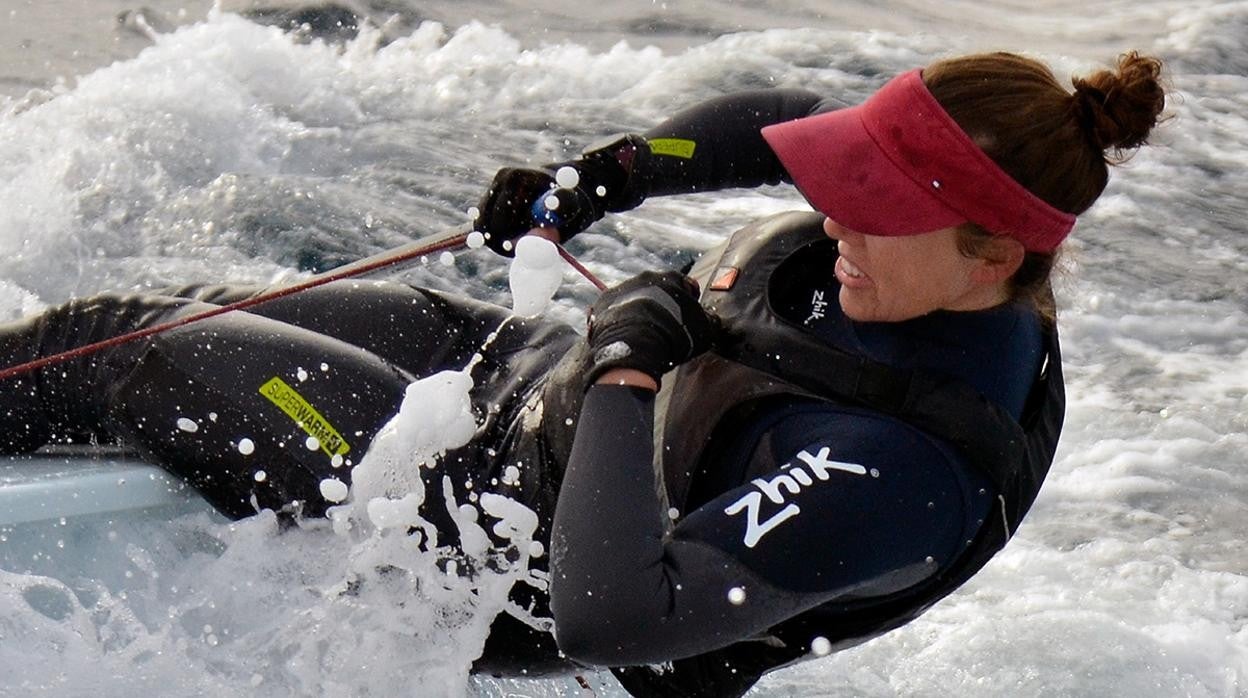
pixel 836 231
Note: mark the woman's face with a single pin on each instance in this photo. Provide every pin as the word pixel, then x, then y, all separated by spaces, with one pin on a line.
pixel 889 279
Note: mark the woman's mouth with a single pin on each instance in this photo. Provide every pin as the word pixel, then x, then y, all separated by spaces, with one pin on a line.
pixel 850 275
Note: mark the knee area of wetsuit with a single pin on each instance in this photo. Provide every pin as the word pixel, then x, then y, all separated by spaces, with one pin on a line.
pixel 255 413
pixel 235 461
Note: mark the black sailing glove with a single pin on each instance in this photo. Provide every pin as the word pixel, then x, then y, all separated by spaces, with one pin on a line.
pixel 568 196
pixel 651 323
pixel 520 199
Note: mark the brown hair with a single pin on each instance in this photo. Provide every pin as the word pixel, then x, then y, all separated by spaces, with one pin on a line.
pixel 1056 144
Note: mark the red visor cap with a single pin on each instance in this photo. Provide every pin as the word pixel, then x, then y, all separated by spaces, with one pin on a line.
pixel 898 164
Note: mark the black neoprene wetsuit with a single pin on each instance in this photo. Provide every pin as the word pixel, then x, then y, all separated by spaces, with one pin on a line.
pixel 805 505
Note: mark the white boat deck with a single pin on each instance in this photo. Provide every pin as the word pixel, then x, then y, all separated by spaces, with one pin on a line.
pixel 68 483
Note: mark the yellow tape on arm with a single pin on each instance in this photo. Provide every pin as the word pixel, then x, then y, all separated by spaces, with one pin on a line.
pixel 292 403
pixel 675 147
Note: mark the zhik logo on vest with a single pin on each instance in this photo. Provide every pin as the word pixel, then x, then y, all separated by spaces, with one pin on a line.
pixel 792 480
pixel 818 307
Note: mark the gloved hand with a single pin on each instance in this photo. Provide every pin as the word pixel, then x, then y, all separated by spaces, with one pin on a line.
pixel 651 323
pixel 567 196
pixel 520 199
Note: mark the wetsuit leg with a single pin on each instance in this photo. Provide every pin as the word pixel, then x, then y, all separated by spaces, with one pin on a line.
pixel 64 403
pixel 217 402
pixel 419 330
pixel 366 328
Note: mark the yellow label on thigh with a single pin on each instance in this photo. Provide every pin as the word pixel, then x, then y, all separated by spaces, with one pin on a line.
pixel 292 403
pixel 675 147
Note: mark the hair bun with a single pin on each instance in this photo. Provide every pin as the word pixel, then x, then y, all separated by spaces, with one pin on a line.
pixel 1119 108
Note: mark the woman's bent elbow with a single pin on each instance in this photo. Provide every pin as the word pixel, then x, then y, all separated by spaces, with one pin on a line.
pixel 596 645
pixel 588 636
pixel 586 643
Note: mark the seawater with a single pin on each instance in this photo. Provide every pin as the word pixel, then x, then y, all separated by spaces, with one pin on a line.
pixel 232 151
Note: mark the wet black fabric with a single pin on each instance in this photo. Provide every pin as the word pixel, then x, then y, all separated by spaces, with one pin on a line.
pixel 190 396
pixel 864 507
pixel 728 149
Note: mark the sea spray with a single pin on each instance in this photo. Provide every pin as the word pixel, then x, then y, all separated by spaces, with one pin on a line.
pixel 439 601
pixel 535 275
pixel 364 603
pixel 439 598
pixel 436 415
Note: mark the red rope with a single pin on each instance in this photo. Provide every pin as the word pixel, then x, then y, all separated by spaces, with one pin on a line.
pixel 576 264
pixel 345 272
pixel 320 280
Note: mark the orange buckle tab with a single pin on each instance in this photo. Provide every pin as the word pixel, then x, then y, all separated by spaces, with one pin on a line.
pixel 724 278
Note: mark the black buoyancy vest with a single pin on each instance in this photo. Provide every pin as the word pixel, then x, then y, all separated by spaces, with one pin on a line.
pixel 764 356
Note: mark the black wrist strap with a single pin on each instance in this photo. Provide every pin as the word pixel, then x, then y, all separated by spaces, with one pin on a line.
pixel 612 172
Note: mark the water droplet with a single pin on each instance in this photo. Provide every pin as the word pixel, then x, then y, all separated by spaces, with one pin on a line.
pixel 567 177
pixel 736 596
pixel 821 646
pixel 333 490
pixel 261 476
pixel 187 425
pixel 246 447
pixel 312 443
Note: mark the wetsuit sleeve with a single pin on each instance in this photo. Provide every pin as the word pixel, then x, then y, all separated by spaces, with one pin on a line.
pixel 627 589
pixel 718 144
